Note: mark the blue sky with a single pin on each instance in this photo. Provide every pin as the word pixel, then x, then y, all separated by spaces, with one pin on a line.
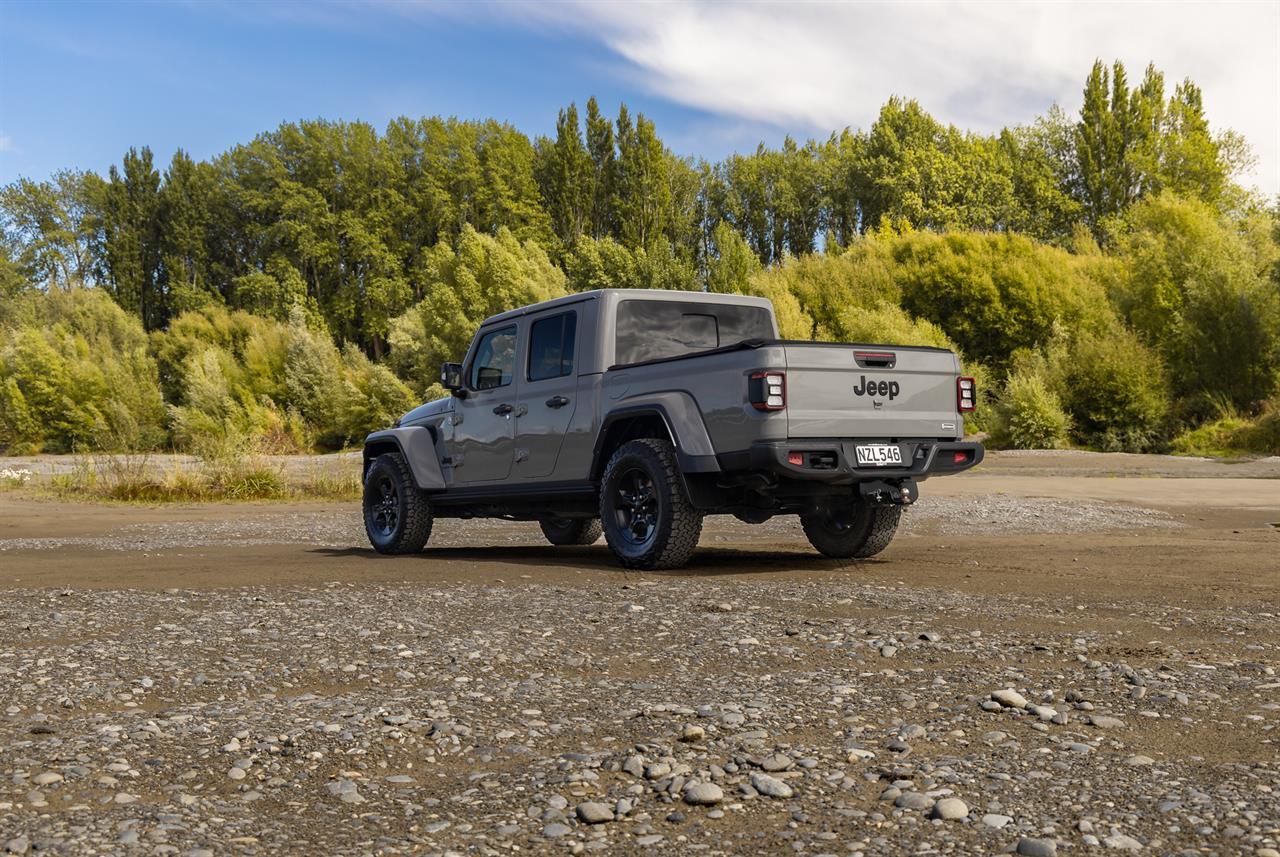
pixel 81 82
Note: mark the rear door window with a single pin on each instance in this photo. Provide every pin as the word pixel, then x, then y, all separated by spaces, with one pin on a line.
pixel 551 342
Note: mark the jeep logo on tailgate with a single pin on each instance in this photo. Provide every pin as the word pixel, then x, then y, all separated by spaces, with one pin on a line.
pixel 876 388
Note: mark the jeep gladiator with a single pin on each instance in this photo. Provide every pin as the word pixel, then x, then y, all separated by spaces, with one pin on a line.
pixel 636 413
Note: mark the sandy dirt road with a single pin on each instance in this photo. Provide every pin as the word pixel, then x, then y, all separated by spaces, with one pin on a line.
pixel 251 678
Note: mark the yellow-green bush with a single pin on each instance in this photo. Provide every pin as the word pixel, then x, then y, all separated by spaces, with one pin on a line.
pixel 371 397
pixel 1197 289
pixel 1234 434
pixel 982 417
pixel 827 286
pixel 887 324
pixel 1029 415
pixel 734 264
pixel 994 293
pixel 222 417
pixel 75 374
pixel 256 349
pixel 255 385
pixel 1115 389
pixel 313 379
pixel 1262 435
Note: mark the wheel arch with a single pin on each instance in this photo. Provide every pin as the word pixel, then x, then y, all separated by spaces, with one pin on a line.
pixel 418 446
pixel 670 416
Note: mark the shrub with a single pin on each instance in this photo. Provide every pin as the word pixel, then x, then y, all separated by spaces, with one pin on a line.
pixel 372 397
pixel 888 324
pixel 826 287
pixel 246 479
pixel 75 374
pixel 1029 415
pixel 793 321
pixel 221 418
pixel 1234 434
pixel 252 385
pixel 313 379
pixel 599 264
pixel 1216 438
pixel 254 349
pixel 1115 390
pixel 1263 434
pixel 326 484
pixel 1198 291
pixel 994 293
pixel 982 417
pixel 734 264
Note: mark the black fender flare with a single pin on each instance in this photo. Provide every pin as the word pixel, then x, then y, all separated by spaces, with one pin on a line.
pixel 418 446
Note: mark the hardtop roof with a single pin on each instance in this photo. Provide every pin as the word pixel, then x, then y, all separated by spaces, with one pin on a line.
pixel 615 295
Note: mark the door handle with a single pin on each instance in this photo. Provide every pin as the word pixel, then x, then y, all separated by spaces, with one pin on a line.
pixel 557 402
pixel 503 409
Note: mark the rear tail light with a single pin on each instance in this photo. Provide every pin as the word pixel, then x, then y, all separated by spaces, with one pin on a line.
pixel 966 395
pixel 795 459
pixel 767 391
pixel 960 458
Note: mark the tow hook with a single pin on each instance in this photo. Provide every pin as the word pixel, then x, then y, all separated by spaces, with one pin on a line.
pixel 882 493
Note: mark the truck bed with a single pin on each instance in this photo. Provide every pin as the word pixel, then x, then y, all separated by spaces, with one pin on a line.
pixel 833 390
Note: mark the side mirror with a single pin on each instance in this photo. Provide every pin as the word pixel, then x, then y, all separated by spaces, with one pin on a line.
pixel 451 377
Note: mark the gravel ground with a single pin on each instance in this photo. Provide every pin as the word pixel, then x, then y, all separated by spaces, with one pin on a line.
pixel 728 718
pixel 515 705
pixel 946 515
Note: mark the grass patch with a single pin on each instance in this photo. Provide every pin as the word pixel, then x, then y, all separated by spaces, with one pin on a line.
pixel 14 477
pixel 1232 435
pixel 136 479
pixel 322 484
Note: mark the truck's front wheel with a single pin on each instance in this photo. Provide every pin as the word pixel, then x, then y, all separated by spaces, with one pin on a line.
pixel 851 531
pixel 397 515
pixel 648 521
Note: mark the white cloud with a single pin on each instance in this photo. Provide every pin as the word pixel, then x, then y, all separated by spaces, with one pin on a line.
pixel 6 143
pixel 815 67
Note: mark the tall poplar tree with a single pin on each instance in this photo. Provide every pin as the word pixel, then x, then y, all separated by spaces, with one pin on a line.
pixel 601 148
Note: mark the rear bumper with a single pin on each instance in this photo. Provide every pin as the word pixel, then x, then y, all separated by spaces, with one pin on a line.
pixel 834 461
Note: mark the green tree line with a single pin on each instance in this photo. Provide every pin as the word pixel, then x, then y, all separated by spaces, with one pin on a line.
pixel 300 288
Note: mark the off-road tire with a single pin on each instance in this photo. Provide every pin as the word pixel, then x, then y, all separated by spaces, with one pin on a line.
pixel 858 531
pixel 572 531
pixel 676 524
pixel 397 514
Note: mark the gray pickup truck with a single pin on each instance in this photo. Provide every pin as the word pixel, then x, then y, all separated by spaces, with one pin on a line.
pixel 637 412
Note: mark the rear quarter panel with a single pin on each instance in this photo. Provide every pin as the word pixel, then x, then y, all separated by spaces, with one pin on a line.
pixel 717 383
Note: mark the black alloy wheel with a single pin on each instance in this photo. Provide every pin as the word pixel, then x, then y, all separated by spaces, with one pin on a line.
pixel 384 513
pixel 647 518
pixel 635 508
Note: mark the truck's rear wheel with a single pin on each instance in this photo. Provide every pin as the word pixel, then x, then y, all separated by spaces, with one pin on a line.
pixel 648 521
pixel 397 515
pixel 571 531
pixel 851 531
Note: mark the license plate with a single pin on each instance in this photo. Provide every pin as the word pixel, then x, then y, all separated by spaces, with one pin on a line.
pixel 879 454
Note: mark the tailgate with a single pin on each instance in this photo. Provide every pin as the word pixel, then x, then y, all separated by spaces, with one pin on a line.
pixel 849 391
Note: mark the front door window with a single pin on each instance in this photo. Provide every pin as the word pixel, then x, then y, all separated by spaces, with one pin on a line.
pixel 495 360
